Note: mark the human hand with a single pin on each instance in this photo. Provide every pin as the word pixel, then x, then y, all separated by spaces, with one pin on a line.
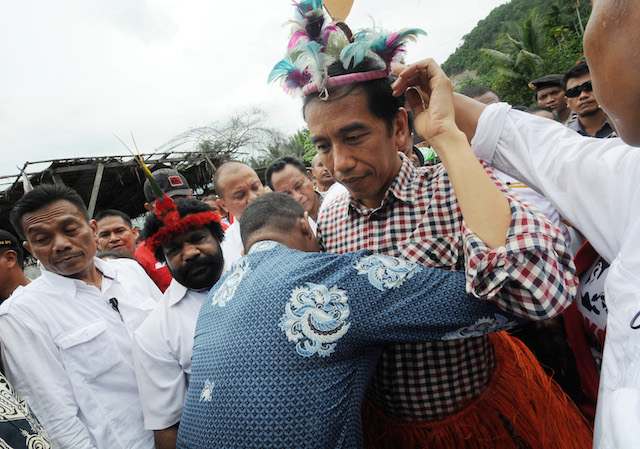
pixel 430 97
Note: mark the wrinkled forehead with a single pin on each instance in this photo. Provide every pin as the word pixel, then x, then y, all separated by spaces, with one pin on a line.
pixel 61 210
pixel 237 179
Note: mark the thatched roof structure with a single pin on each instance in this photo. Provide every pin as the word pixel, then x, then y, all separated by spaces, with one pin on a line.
pixel 109 182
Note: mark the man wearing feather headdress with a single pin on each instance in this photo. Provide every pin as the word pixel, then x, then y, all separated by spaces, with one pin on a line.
pixel 456 216
pixel 163 344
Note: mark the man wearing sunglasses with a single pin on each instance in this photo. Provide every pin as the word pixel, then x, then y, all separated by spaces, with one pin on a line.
pixel 592 120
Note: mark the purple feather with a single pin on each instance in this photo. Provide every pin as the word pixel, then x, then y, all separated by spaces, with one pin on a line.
pixel 296 80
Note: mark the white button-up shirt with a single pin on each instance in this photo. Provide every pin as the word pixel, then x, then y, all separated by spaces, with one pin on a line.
pixel 162 348
pixel 231 245
pixel 594 184
pixel 68 354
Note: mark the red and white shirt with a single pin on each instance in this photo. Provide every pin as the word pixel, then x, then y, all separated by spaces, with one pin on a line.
pixel 419 219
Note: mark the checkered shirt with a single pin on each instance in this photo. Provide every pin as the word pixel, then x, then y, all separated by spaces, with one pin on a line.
pixel 420 220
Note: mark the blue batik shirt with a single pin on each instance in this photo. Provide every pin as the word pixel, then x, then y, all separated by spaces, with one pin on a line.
pixel 286 342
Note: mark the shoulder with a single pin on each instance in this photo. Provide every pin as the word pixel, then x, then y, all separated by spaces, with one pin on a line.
pixel 334 207
pixel 28 297
pixel 126 267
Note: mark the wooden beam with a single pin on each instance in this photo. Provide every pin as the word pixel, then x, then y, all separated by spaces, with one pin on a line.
pixel 96 188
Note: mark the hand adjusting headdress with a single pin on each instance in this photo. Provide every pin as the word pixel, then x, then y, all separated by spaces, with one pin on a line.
pixel 317 43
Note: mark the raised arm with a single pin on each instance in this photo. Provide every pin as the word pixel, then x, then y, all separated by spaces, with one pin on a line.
pixel 484 208
pixel 514 256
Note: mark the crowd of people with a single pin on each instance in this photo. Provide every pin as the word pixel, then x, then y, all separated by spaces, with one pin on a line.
pixel 372 299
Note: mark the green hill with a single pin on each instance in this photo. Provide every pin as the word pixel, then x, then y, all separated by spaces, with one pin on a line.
pixel 534 38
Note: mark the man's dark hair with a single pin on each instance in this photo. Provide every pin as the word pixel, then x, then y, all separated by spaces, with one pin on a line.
pixel 111 255
pixel 272 210
pixel 114 213
pixel 477 91
pixel 40 197
pixel 537 108
pixel 186 206
pixel 576 71
pixel 382 104
pixel 8 242
pixel 279 165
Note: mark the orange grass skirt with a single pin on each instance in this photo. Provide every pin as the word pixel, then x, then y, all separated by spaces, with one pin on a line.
pixel 521 407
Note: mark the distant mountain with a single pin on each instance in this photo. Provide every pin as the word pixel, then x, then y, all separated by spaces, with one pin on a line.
pixel 560 22
pixel 526 39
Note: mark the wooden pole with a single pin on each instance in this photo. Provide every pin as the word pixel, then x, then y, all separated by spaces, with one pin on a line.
pixel 96 188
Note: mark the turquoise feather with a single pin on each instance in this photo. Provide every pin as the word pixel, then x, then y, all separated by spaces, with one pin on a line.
pixel 282 68
pixel 386 46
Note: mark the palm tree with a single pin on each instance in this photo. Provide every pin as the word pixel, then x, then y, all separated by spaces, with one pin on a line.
pixel 524 50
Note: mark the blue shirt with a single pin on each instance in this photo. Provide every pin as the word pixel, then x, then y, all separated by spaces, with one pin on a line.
pixel 286 342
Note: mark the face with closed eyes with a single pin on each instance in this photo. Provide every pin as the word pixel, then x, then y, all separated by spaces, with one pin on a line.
pixel 62 239
pixel 299 185
pixel 238 188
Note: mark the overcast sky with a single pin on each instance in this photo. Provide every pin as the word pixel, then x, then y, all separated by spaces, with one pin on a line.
pixel 75 72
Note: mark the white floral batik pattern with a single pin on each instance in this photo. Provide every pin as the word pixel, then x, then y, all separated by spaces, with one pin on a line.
pixel 385 272
pixel 315 319
pixel 228 288
pixel 207 391
pixel 483 326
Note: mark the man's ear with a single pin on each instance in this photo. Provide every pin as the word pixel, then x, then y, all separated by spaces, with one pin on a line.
pixel 222 204
pixel 26 246
pixel 94 228
pixel 310 176
pixel 134 230
pixel 10 257
pixel 400 131
pixel 305 227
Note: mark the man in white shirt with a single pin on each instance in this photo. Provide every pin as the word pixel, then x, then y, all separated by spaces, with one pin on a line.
pixel 163 344
pixel 592 182
pixel 66 337
pixel 237 185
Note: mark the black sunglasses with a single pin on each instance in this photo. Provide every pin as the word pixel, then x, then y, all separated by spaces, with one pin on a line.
pixel 575 91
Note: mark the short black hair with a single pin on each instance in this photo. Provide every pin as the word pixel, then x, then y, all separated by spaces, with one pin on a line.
pixel 186 206
pixel 538 108
pixel 42 196
pixel 577 70
pixel 114 213
pixel 111 255
pixel 382 104
pixel 10 243
pixel 272 210
pixel 279 165
pixel 477 91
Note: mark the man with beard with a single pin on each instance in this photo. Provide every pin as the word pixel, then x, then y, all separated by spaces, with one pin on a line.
pixel 190 245
pixel 592 120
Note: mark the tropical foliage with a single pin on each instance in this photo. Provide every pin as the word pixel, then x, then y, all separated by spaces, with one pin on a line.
pixel 297 144
pixel 518 42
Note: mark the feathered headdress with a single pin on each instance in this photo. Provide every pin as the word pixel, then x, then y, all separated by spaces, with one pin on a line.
pixel 316 43
pixel 166 210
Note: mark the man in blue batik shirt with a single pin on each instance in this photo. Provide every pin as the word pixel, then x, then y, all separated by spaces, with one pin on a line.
pixel 286 342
